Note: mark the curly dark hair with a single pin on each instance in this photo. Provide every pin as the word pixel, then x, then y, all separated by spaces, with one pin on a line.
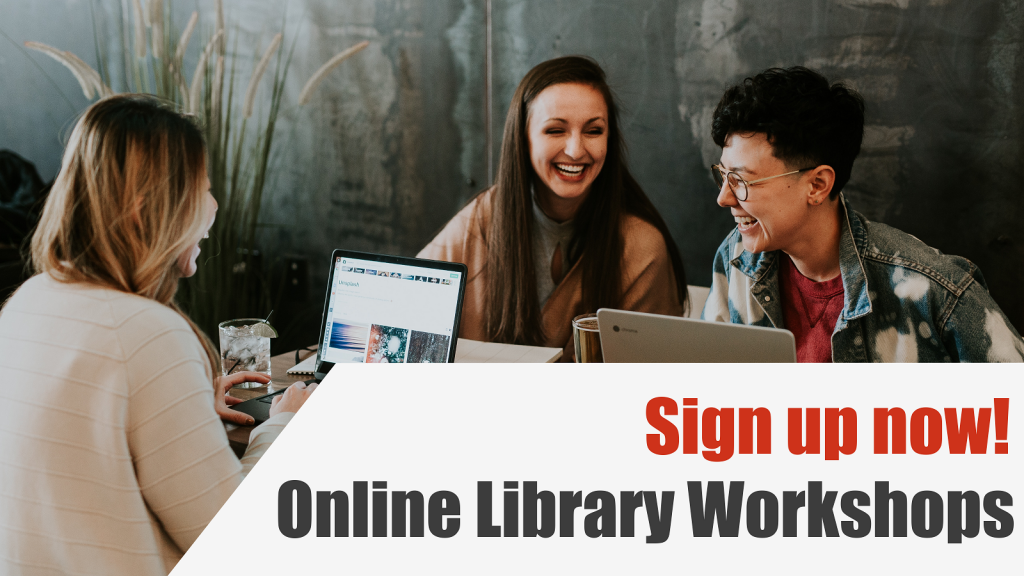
pixel 807 120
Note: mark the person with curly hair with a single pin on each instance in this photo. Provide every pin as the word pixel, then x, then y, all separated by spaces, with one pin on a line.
pixel 800 257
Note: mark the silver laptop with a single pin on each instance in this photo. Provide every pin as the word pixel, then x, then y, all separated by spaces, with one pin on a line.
pixel 638 337
pixel 381 308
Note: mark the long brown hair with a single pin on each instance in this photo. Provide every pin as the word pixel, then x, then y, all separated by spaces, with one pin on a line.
pixel 127 203
pixel 513 310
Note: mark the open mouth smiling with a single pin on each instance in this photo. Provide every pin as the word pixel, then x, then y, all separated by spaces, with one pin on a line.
pixel 745 223
pixel 570 171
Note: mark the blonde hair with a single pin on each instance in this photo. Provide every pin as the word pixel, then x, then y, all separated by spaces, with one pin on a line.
pixel 127 203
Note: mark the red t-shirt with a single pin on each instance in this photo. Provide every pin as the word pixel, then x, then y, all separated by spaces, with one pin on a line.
pixel 810 310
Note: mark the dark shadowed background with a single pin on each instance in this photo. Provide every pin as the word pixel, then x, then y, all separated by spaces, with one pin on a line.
pixel 403 134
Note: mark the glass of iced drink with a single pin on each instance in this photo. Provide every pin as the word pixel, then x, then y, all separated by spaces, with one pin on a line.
pixel 244 346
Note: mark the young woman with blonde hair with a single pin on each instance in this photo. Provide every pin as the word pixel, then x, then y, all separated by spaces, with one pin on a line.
pixel 114 458
pixel 565 229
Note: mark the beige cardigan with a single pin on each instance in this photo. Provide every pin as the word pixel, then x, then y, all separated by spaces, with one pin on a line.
pixel 648 283
pixel 112 459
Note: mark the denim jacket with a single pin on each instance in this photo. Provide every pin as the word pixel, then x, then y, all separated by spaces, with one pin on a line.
pixel 903 301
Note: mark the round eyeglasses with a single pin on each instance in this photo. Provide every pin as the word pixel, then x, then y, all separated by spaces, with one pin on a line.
pixel 739 186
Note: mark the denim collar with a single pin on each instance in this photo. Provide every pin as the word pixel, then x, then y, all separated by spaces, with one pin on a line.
pixel 853 238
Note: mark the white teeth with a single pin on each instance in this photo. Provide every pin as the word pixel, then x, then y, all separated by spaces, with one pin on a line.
pixel 569 168
pixel 745 220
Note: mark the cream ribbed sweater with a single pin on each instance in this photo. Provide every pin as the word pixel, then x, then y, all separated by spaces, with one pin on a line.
pixel 112 458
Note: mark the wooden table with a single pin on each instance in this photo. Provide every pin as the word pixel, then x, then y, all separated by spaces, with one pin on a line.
pixel 238 436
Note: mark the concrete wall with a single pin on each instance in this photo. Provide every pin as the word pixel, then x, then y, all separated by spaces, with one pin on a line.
pixel 397 139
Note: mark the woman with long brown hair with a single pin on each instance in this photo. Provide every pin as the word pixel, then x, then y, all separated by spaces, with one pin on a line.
pixel 114 458
pixel 565 229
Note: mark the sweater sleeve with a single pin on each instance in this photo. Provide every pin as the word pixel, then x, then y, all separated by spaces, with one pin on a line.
pixel 649 283
pixel 184 465
pixel 261 438
pixel 450 243
pixel 445 246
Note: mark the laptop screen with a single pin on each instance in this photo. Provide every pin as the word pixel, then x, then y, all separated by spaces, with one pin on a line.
pixel 389 312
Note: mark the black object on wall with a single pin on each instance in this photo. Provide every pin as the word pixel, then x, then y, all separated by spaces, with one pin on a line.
pixel 21 199
pixel 21 194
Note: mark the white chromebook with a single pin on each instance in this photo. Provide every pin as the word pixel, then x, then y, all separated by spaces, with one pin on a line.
pixel 639 337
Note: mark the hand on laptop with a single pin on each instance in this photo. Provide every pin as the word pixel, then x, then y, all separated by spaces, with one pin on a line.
pixel 222 400
pixel 292 399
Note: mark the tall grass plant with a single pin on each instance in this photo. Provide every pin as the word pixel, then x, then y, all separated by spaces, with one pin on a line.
pixel 231 280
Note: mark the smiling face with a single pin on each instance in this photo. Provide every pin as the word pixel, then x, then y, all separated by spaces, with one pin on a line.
pixel 187 260
pixel 775 212
pixel 568 134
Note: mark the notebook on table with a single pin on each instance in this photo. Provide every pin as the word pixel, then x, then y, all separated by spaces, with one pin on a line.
pixel 305 368
pixel 476 352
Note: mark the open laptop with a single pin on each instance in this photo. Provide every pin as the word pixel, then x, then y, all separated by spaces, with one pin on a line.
pixel 638 337
pixel 383 308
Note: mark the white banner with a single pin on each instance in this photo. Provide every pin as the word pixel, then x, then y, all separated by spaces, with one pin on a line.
pixel 482 469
